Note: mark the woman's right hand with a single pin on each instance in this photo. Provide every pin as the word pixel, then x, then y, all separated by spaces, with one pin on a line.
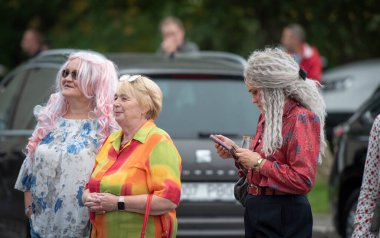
pixel 92 202
pixel 222 152
pixel 28 212
pixel 28 202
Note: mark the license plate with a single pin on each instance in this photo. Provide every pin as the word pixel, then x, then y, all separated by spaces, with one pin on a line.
pixel 208 192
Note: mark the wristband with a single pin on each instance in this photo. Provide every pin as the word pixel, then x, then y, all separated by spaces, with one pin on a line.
pixel 121 204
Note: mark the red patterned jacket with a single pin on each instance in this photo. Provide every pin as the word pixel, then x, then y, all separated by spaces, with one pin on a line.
pixel 292 168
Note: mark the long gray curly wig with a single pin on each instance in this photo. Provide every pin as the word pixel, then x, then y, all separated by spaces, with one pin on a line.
pixel 276 74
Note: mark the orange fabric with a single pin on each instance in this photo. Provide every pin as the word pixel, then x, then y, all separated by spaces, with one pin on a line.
pixel 149 164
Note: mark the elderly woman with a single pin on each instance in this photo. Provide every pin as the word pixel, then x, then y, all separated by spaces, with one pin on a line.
pixel 62 150
pixel 133 163
pixel 281 162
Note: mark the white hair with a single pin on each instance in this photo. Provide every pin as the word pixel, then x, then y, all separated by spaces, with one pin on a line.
pixel 276 74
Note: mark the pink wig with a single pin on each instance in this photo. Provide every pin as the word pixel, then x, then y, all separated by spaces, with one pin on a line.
pixel 97 80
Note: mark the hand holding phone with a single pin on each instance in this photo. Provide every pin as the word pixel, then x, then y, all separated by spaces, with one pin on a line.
pixel 230 148
pixel 220 142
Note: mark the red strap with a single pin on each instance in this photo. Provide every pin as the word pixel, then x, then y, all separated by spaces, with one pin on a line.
pixel 165 231
pixel 146 217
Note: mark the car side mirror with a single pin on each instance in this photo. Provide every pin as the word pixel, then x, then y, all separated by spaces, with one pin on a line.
pixel 367 118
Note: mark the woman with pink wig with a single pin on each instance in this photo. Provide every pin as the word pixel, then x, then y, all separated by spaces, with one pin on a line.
pixel 62 149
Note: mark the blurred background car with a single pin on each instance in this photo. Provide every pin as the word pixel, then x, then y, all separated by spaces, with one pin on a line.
pixel 203 93
pixel 346 88
pixel 350 150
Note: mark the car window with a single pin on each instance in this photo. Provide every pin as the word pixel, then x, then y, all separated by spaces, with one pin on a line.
pixel 197 108
pixel 369 114
pixel 38 86
pixel 9 94
pixel 375 108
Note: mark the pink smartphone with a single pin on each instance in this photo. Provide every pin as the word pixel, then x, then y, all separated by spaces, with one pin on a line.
pixel 221 143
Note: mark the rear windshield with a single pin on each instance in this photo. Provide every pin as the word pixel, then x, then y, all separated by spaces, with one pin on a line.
pixel 192 108
pixel 195 108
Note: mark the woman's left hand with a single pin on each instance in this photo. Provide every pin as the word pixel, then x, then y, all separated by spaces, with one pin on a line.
pixel 247 158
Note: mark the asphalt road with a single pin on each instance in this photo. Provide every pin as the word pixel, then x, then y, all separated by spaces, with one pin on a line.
pixel 323 227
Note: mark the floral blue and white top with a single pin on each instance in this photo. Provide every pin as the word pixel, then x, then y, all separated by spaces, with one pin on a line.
pixel 56 177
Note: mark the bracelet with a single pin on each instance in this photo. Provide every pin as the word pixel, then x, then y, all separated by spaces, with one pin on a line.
pixel 258 164
pixel 27 209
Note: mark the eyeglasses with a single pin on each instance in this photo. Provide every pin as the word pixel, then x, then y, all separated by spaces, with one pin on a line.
pixel 66 73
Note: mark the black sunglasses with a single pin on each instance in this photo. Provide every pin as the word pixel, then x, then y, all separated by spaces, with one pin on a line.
pixel 66 73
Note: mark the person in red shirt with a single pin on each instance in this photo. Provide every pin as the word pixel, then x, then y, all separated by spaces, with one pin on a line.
pixel 294 40
pixel 281 164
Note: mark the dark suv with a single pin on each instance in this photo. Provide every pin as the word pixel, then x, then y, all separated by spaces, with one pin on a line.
pixel 351 141
pixel 204 94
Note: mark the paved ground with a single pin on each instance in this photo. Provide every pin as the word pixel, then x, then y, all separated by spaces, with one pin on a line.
pixel 323 227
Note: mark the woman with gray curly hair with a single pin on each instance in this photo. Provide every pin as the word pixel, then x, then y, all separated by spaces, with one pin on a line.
pixel 280 166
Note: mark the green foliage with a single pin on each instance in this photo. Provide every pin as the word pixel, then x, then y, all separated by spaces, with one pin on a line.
pixel 343 30
pixel 318 197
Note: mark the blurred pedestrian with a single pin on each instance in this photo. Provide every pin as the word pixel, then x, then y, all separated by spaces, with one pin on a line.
pixel 294 40
pixel 367 216
pixel 33 42
pixel 173 38
pixel 61 151
pixel 280 165
pixel 138 163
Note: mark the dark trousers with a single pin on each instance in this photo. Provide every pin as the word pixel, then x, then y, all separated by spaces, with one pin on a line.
pixel 286 216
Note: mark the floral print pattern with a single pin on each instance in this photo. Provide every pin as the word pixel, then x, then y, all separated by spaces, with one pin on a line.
pixel 57 176
pixel 370 190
